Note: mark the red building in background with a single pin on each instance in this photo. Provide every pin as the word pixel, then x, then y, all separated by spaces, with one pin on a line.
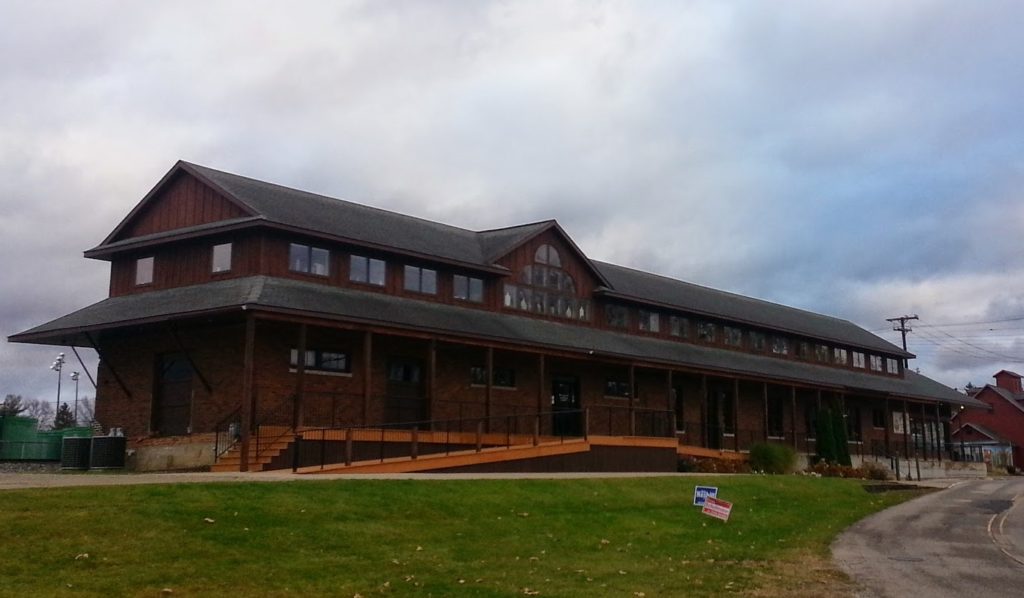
pixel 998 425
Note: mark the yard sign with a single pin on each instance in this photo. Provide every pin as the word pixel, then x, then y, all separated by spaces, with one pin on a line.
pixel 719 509
pixel 700 493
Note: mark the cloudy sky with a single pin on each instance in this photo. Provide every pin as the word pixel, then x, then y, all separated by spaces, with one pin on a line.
pixel 861 159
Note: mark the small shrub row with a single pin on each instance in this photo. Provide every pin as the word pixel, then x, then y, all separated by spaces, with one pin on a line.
pixel 868 471
pixel 772 458
pixel 704 465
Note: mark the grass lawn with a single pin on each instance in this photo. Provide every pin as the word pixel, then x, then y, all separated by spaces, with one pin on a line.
pixel 613 537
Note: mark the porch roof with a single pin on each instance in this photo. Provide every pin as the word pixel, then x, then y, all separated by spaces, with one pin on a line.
pixel 267 294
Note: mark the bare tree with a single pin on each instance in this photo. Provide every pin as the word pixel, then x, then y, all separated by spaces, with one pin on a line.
pixel 13 405
pixel 41 411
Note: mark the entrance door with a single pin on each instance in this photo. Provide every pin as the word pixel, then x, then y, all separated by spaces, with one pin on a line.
pixel 565 403
pixel 172 399
pixel 713 418
pixel 405 401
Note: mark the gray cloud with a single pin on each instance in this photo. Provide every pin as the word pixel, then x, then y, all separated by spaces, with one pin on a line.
pixel 858 159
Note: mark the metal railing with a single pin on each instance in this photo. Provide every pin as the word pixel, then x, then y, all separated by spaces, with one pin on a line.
pixel 226 433
pixel 412 439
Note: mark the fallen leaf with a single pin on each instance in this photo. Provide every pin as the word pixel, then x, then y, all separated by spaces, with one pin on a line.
pixel 208 520
pixel 79 557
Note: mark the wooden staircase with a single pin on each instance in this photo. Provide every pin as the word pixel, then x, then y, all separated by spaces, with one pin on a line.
pixel 232 459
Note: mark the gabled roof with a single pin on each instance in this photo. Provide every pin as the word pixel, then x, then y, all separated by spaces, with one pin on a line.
pixel 351 305
pixel 981 430
pixel 641 286
pixel 1014 374
pixel 309 213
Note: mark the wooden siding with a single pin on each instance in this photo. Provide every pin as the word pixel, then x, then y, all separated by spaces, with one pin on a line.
pixel 186 263
pixel 185 202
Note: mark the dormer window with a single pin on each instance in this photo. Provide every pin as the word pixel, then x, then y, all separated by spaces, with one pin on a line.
pixel 421 280
pixel 649 321
pixel 221 261
pixel 366 270
pixel 144 271
pixel 468 288
pixel 544 288
pixel 308 260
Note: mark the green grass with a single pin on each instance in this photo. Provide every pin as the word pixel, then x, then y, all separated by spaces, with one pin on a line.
pixel 611 537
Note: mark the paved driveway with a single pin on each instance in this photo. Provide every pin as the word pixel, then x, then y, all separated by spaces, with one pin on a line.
pixel 967 540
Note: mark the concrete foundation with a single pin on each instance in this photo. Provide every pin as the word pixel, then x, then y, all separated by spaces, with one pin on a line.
pixel 178 453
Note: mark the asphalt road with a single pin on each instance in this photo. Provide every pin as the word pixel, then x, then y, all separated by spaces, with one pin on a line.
pixel 967 540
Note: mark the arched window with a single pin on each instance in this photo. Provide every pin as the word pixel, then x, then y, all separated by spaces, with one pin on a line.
pixel 544 288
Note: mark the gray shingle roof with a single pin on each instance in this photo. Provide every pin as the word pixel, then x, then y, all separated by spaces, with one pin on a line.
pixel 398 312
pixel 372 226
pixel 703 300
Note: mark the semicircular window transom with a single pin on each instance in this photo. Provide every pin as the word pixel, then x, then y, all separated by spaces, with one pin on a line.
pixel 545 288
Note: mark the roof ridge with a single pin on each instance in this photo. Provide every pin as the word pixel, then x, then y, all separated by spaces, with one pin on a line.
pixel 506 228
pixel 328 198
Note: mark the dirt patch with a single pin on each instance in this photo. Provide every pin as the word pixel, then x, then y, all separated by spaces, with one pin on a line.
pixel 805 576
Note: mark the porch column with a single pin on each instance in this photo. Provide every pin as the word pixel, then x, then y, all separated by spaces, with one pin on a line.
pixel 300 379
pixel 704 409
pixel 431 377
pixel 367 373
pixel 939 433
pixel 488 388
pixel 924 436
pixel 248 396
pixel 540 384
pixel 632 399
pixel 736 414
pixel 888 424
pixel 792 421
pixel 764 400
pixel 906 430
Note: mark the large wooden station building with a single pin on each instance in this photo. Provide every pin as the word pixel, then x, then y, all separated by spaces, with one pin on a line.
pixel 243 303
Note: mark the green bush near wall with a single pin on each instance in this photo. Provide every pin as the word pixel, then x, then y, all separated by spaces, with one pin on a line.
pixel 772 458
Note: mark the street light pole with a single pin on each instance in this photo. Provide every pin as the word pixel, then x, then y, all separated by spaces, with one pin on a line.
pixel 57 366
pixel 74 376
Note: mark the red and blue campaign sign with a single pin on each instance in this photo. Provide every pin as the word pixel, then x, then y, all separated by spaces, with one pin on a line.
pixel 701 493
pixel 719 509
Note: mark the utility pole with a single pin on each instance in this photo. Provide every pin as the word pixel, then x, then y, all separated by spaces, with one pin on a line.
pixel 903 329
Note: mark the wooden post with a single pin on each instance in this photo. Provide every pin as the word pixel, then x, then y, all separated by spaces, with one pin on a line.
pixel 247 415
pixel 431 378
pixel 792 421
pixel 670 403
pixel 888 424
pixel 906 431
pixel 415 448
pixel 704 410
pixel 300 379
pixel 348 446
pixel 764 399
pixel 540 384
pixel 367 373
pixel 479 435
pixel 736 414
pixel 939 433
pixel 490 384
pixel 632 399
pixel 924 436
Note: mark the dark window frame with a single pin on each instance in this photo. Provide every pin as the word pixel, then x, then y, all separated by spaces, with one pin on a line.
pixel 316 361
pixel 418 280
pixel 150 270
pixel 468 295
pixel 368 270
pixel 311 252
pixel 213 258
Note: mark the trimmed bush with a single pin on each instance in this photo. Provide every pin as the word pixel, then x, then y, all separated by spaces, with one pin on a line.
pixel 772 458
pixel 826 442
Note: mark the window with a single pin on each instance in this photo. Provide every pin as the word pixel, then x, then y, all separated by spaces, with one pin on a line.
pixel 614 387
pixel 144 271
pixel 405 372
pixel 892 365
pixel 502 377
pixel 803 350
pixel 821 353
pixel 649 321
pixel 839 356
pixel 308 260
pixel 757 341
pixel 780 345
pixel 421 280
pixel 221 258
pixel 327 361
pixel 468 288
pixel 367 270
pixel 858 359
pixel 876 363
pixel 853 424
pixel 706 332
pixel 678 326
pixel 544 288
pixel 616 316
pixel 733 336
pixel 878 418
